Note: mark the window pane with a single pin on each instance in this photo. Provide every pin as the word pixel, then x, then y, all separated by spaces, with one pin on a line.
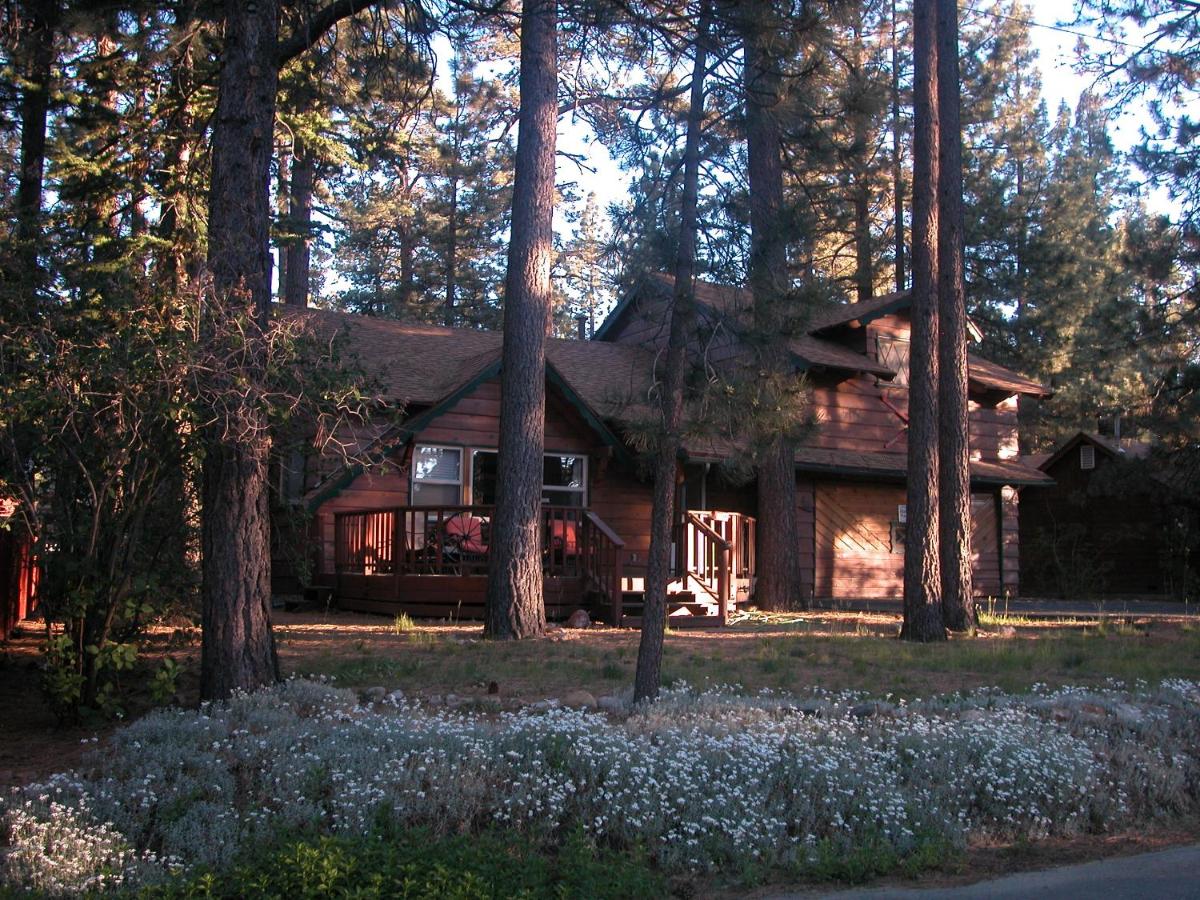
pixel 426 494
pixel 483 477
pixel 562 497
pixel 563 471
pixel 437 464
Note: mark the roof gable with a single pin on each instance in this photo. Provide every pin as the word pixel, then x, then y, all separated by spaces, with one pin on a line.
pixel 395 439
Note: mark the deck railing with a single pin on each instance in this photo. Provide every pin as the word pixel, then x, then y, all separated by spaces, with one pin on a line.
pixel 455 540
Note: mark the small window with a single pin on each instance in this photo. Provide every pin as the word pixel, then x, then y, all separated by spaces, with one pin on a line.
pixel 893 353
pixel 1087 457
pixel 437 476
pixel 564 480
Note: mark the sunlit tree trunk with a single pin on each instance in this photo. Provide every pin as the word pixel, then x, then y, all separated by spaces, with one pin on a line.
pixel 297 273
pixel 515 607
pixel 954 473
pixel 897 162
pixel 922 570
pixel 648 677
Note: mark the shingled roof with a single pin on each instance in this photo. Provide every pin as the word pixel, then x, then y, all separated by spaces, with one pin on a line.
pixel 418 365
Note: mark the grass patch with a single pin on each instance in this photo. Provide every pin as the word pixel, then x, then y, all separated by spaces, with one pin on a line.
pixel 846 652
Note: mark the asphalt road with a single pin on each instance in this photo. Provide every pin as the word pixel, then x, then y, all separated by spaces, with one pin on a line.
pixel 1163 875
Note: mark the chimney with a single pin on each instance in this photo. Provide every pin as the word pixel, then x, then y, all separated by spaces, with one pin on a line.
pixel 581 329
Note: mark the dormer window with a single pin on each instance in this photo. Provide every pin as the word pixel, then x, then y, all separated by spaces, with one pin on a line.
pixel 893 353
pixel 1087 456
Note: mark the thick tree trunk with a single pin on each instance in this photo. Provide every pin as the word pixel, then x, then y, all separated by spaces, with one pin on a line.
pixel 515 605
pixel 648 677
pixel 297 272
pixel 897 162
pixel 922 569
pixel 238 650
pixel 954 472
pixel 36 57
pixel 778 585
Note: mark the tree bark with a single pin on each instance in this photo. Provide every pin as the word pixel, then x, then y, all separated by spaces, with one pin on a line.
pixel 897 161
pixel 922 569
pixel 36 57
pixel 238 649
pixel 954 472
pixel 450 312
pixel 298 266
pixel 778 585
pixel 515 606
pixel 648 677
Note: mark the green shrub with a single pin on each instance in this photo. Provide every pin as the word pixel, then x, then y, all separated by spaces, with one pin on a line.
pixel 418 865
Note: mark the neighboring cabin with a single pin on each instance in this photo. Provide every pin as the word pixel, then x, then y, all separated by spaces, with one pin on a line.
pixel 410 534
pixel 1107 526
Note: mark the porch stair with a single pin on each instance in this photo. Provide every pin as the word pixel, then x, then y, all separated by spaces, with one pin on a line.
pixel 683 610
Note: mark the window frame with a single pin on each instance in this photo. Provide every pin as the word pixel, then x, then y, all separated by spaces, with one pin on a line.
pixel 413 480
pixel 582 490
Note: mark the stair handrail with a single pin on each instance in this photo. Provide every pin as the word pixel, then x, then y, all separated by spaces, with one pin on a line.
pixel 617 547
pixel 724 565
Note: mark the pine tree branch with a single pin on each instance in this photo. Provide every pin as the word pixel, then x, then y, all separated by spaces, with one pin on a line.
pixel 316 27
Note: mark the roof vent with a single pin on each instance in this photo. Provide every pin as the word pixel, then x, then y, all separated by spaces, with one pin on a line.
pixel 1087 457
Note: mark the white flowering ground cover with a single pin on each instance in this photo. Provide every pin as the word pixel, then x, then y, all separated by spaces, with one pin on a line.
pixel 703 781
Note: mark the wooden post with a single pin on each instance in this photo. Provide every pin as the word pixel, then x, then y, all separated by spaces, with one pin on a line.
pixel 399 549
pixel 723 583
pixel 618 603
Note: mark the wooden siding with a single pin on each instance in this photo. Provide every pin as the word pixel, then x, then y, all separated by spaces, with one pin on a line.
pixel 854 555
pixel 854 552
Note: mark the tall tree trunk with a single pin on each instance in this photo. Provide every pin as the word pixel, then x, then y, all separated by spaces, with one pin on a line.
pixel 176 228
pixel 922 569
pixel 298 271
pixel 897 161
pixel 36 58
pixel 515 605
pixel 648 677
pixel 864 274
pixel 450 313
pixel 283 209
pixel 238 649
pixel 779 585
pixel 954 467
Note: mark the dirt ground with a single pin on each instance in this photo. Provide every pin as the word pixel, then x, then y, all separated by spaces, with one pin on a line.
pixel 835 650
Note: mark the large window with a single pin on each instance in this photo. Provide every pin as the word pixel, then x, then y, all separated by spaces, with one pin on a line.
pixel 564 479
pixel 437 476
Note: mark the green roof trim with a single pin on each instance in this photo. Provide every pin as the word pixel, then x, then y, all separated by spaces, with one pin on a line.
pixel 610 321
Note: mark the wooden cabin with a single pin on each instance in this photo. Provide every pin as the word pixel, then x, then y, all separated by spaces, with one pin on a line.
pixel 410 533
pixel 1108 525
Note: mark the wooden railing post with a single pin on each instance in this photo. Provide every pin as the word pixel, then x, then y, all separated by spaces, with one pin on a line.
pixel 617 598
pixel 723 582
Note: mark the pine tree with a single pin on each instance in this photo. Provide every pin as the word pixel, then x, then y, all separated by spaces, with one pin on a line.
pixel 681 329
pixel 954 472
pixel 922 568
pixel 514 604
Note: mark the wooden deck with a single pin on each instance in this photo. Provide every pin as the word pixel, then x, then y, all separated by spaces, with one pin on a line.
pixel 431 562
